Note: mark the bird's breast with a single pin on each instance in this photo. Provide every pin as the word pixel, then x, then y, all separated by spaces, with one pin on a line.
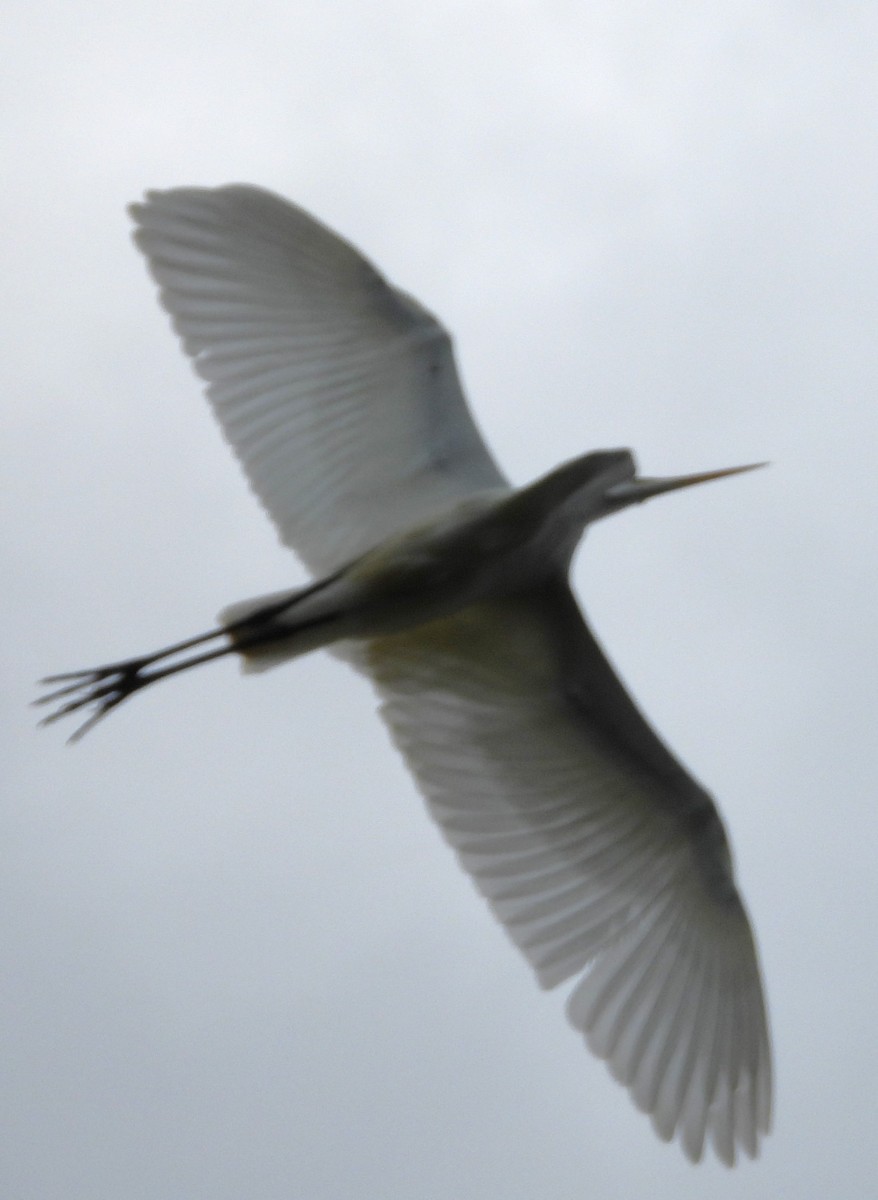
pixel 439 569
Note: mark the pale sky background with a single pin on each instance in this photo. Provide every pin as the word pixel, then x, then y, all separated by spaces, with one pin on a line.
pixel 239 963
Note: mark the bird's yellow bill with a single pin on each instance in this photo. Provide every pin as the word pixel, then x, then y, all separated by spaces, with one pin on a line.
pixel 644 487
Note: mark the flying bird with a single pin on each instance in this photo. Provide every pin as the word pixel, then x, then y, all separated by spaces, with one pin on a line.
pixel 601 856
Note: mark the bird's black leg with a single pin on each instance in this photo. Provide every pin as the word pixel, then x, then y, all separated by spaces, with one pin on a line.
pixel 107 686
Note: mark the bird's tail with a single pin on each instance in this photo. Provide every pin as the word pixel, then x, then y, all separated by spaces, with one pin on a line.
pixel 269 630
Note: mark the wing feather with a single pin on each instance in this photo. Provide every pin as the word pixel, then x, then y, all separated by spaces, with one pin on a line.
pixel 600 855
pixel 338 393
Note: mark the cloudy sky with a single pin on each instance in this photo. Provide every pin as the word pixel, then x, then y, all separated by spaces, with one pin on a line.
pixel 238 960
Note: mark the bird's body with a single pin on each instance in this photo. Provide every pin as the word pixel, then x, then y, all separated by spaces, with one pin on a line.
pixel 599 853
pixel 492 544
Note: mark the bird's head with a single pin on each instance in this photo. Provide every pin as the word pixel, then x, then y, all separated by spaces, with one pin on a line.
pixel 606 481
pixel 585 490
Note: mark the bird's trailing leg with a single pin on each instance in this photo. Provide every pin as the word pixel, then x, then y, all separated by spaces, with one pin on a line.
pixel 105 687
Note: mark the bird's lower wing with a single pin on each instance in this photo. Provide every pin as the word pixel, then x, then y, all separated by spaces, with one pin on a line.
pixel 596 857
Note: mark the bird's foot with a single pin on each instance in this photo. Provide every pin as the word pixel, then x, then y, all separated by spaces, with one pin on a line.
pixel 103 687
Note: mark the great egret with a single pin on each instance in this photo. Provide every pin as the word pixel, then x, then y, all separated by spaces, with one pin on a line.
pixel 598 852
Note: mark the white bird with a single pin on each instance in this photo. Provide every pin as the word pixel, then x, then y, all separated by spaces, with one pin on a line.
pixel 602 857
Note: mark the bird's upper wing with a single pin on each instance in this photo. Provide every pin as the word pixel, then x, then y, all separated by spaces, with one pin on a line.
pixel 338 392
pixel 599 854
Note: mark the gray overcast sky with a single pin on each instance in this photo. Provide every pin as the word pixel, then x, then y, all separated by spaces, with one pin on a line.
pixel 239 961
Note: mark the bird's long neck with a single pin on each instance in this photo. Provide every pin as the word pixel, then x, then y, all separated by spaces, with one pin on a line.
pixel 557 507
